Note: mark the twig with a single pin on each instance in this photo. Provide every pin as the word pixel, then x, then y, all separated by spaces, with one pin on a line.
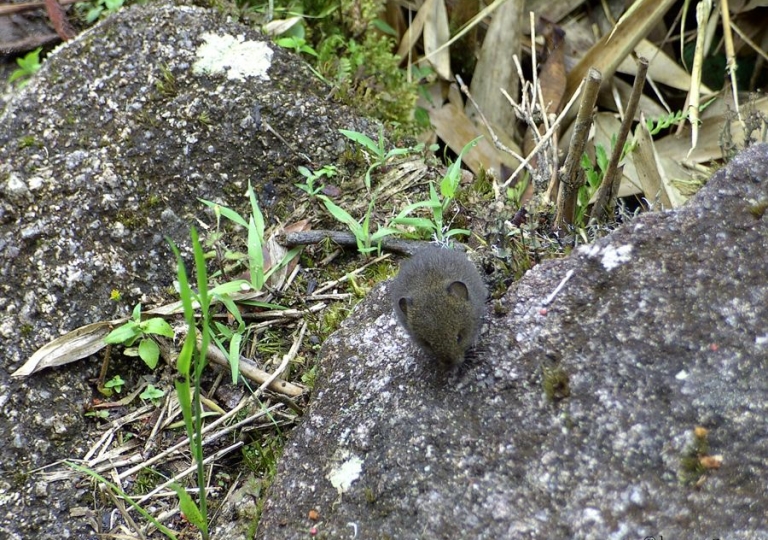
pixel 331 284
pixel 548 300
pixel 192 468
pixel 286 143
pixel 290 355
pixel 544 138
pixel 496 141
pixel 249 370
pixel 30 6
pixel 184 443
pixel 609 188
pixel 345 239
pixel 570 179
pixel 730 54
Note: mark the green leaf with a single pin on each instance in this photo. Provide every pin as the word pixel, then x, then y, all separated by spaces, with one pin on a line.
pixel 340 214
pixel 258 217
pixel 384 27
pixel 183 394
pixel 189 508
pixel 306 173
pixel 185 291
pixel 417 223
pixel 288 257
pixel 230 287
pixel 151 393
pixel 93 14
pixel 157 326
pixel 184 361
pixel 149 352
pixel 454 232
pixel 226 212
pixel 123 334
pixel 450 182
pixel 364 140
pixel 383 232
pixel 255 256
pixel 415 206
pixel 234 356
pixel 115 382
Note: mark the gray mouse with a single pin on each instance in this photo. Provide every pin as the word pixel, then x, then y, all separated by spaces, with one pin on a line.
pixel 439 298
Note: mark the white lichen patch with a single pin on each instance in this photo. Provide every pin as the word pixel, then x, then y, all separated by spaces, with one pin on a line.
pixel 610 256
pixel 344 474
pixel 233 56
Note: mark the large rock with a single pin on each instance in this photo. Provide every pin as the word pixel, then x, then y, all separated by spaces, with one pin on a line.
pixel 102 156
pixel 660 328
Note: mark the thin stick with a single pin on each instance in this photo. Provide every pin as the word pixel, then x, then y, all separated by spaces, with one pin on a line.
pixel 191 469
pixel 549 133
pixel 184 443
pixel 570 180
pixel 286 358
pixel 609 188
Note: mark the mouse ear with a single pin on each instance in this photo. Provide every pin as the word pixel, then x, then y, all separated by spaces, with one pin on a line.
pixel 404 303
pixel 459 290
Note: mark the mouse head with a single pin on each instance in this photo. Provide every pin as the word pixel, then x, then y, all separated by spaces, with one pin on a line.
pixel 441 320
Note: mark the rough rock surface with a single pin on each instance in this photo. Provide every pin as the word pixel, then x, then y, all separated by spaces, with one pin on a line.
pixel 661 328
pixel 102 156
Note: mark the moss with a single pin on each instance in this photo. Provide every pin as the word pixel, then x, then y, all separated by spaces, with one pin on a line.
pixel 368 77
pixel 692 467
pixel 28 141
pixel 758 209
pixel 556 383
pixel 166 83
pixel 147 479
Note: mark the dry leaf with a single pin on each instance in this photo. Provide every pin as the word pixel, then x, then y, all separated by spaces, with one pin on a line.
pixel 436 36
pixel 80 343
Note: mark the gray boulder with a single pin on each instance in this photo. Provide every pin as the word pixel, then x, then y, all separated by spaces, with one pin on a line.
pixel 102 156
pixel 654 353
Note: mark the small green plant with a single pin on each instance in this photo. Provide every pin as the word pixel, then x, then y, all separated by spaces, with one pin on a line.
pixel 189 365
pixel 254 260
pixel 437 204
pixel 152 394
pixel 101 8
pixel 297 44
pixel 655 126
pixel 309 377
pixel 137 330
pixel 255 225
pixel 556 383
pixel 367 242
pixel 516 192
pixel 377 150
pixel 328 171
pixel 166 83
pixel 593 177
pixel 29 64
pixel 116 383
pixel 124 496
pixel 115 295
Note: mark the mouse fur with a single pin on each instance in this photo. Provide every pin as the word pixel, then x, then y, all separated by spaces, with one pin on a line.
pixel 439 298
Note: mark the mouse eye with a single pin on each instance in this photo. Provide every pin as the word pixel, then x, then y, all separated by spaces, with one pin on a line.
pixel 459 337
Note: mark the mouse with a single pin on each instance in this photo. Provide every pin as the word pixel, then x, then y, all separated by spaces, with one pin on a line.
pixel 439 298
